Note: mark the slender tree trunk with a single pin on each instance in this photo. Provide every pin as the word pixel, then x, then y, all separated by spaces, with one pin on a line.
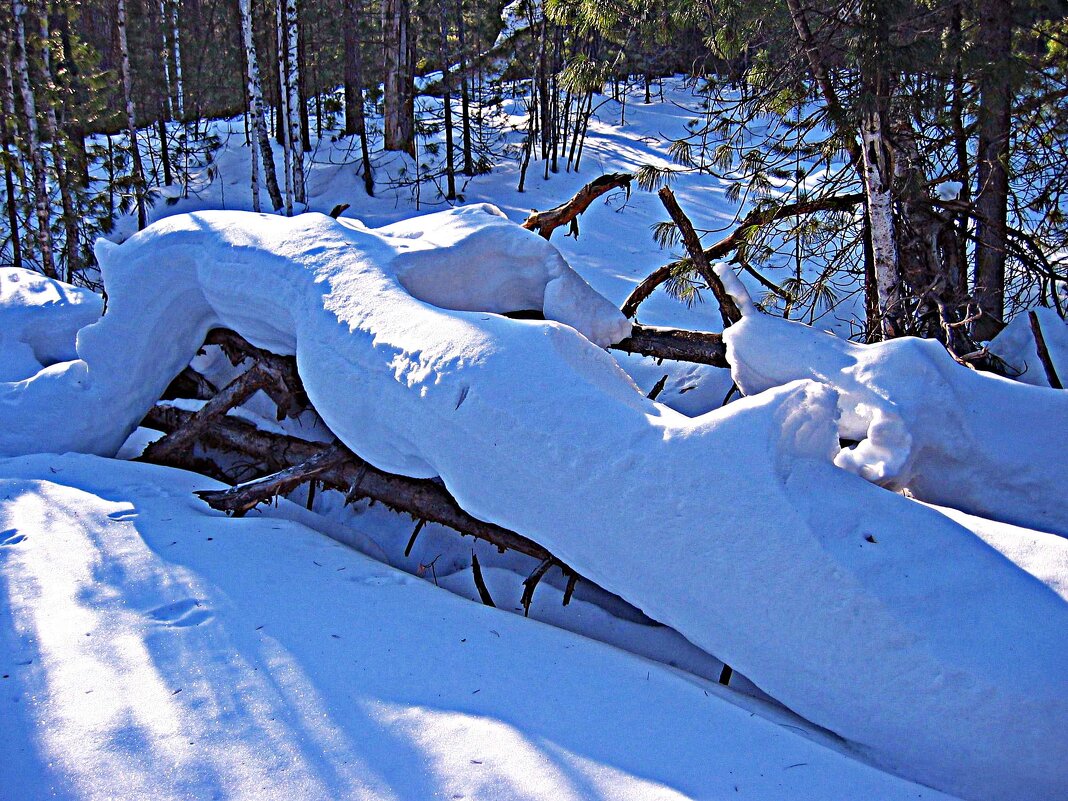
pixel 255 95
pixel 297 112
pixel 283 100
pixel 42 205
pixel 399 116
pixel 878 200
pixel 991 203
pixel 465 93
pixel 450 165
pixel 176 49
pixel 139 185
pixel 71 215
pixel 355 119
pixel 165 60
pixel 10 151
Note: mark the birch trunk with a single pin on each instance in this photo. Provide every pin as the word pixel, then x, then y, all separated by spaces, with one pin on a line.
pixel 33 143
pixel 876 173
pixel 9 133
pixel 131 117
pixel 255 103
pixel 176 48
pixel 283 100
pixel 293 100
pixel 164 57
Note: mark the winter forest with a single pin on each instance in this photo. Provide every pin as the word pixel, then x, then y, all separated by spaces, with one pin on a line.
pixel 545 399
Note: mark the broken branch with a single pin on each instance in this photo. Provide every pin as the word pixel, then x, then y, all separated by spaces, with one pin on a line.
pixel 545 222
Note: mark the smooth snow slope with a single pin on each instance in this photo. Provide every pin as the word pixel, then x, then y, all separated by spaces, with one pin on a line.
pixel 862 611
pixel 151 648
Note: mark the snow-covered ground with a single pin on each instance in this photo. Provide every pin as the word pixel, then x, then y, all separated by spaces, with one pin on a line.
pixel 152 647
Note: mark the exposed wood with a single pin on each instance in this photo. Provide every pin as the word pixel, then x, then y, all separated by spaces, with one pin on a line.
pixel 700 347
pixel 287 391
pixel 180 441
pixel 241 499
pixel 1043 352
pixel 530 583
pixel 412 539
pixel 658 387
pixel 737 237
pixel 421 498
pixel 480 582
pixel 567 213
pixel 728 309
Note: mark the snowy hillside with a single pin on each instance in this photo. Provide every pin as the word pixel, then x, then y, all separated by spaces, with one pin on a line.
pixel 873 537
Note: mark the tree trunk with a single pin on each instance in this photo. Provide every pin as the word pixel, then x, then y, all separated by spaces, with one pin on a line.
pixel 284 116
pixel 991 203
pixel 71 214
pixel 878 198
pixel 33 144
pixel 138 176
pixel 399 116
pixel 450 165
pixel 294 99
pixel 465 95
pixel 355 119
pixel 255 96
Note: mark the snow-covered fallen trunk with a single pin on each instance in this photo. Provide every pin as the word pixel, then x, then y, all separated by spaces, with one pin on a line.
pixel 973 441
pixel 864 612
pixel 151 648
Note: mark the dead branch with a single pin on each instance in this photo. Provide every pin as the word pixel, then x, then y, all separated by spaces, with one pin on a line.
pixel 287 392
pixel 567 213
pixel 1043 352
pixel 480 581
pixel 179 442
pixel 728 309
pixel 420 498
pixel 241 499
pixel 737 237
pixel 700 347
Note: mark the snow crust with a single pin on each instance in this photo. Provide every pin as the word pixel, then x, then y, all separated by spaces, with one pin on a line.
pixel 873 616
pixel 39 318
pixel 952 436
pixel 151 648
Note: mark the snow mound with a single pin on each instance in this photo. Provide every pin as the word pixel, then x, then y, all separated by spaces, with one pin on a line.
pixel 952 436
pixel 151 648
pixel 39 318
pixel 1016 345
pixel 862 611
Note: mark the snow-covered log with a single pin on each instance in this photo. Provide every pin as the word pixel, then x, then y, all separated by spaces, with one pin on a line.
pixel 950 435
pixel 880 619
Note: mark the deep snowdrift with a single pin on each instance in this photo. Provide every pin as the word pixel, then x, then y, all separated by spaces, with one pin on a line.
pixel 39 319
pixel 865 612
pixel 952 436
pixel 151 648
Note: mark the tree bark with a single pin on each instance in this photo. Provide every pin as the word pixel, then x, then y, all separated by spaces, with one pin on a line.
pixel 139 185
pixel 255 102
pixel 567 213
pixel 399 113
pixel 295 99
pixel 42 206
pixel 991 203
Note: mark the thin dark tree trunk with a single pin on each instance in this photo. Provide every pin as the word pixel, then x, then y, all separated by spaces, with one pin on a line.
pixel 991 203
pixel 355 119
pixel 139 185
pixel 450 165
pixel 465 93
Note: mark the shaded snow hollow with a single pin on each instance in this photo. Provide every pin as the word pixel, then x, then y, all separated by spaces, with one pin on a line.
pixel 928 648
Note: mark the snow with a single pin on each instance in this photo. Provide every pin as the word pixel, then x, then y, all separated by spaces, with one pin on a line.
pixel 152 648
pixel 39 318
pixel 934 641
pixel 1016 345
pixel 950 435
pixel 839 599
